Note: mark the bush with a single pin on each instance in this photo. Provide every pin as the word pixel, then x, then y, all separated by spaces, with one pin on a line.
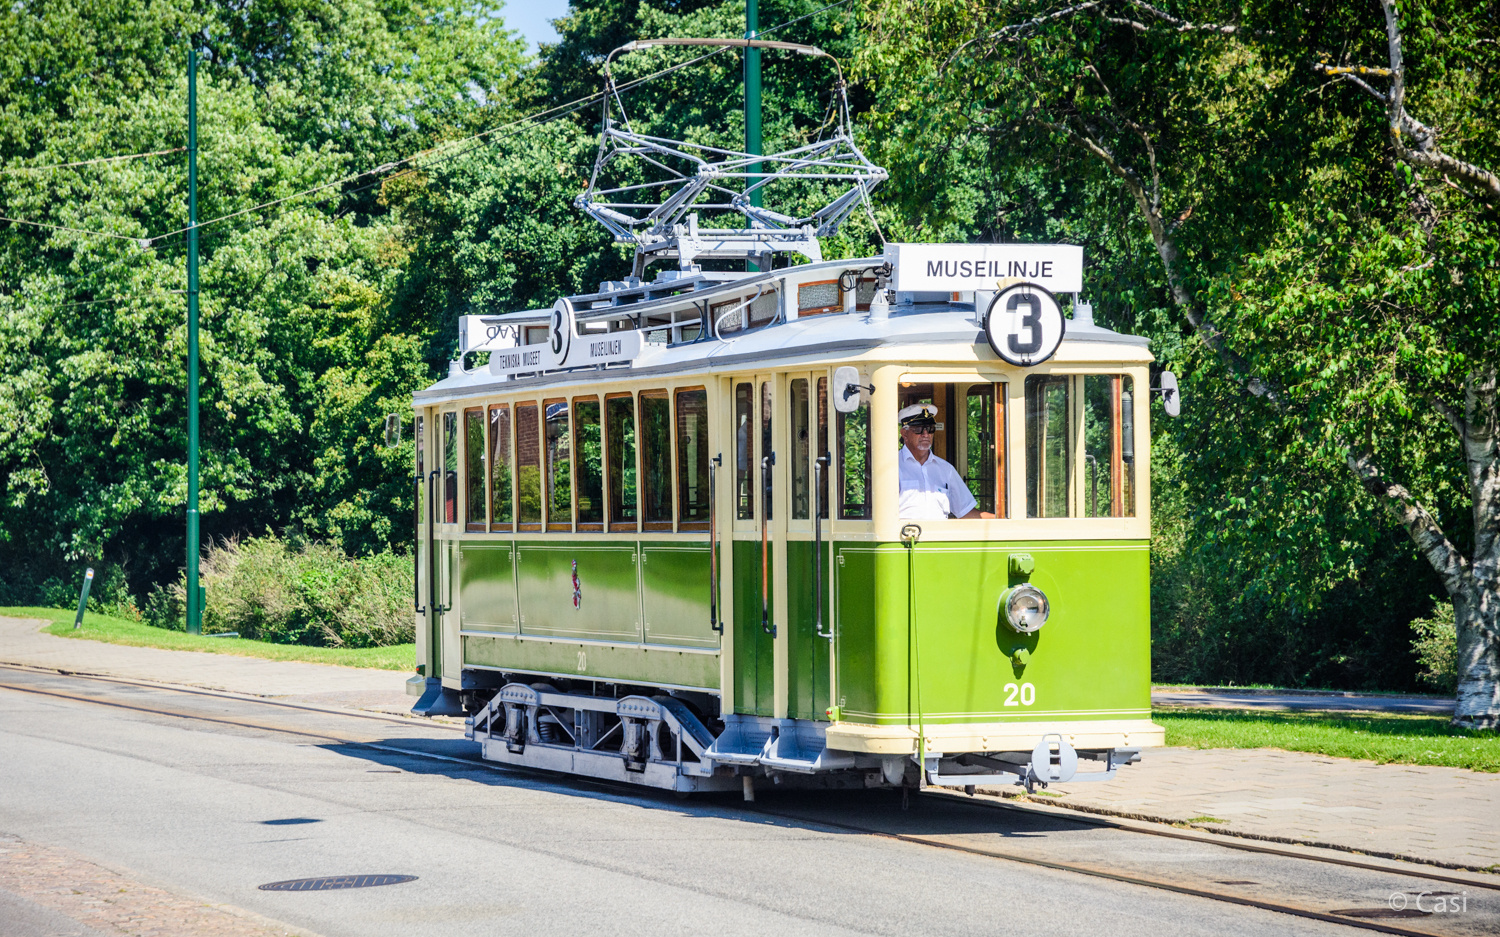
pixel 1436 647
pixel 267 589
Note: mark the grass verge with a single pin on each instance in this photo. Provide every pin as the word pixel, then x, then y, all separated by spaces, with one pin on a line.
pixel 119 631
pixel 1383 738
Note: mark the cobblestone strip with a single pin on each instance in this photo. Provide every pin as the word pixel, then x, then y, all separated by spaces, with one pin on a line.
pixel 113 904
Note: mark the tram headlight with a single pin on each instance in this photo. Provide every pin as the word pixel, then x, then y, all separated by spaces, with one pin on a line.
pixel 1025 608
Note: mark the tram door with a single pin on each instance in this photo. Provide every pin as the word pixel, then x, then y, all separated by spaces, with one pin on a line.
pixel 806 579
pixel 754 551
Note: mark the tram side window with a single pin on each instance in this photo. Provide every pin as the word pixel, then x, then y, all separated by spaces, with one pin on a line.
pixel 744 452
pixel 474 517
pixel 421 447
pixel 450 467
pixel 500 500
pixel 854 461
pixel 559 476
pixel 1049 447
pixel 802 444
pixel 528 468
pixel 1108 446
pixel 619 423
pixel 656 460
pixel 692 459
pixel 588 463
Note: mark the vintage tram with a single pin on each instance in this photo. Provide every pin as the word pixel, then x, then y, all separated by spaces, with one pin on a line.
pixel 659 529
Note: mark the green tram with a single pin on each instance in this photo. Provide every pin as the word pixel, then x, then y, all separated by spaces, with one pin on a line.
pixel 660 529
pixel 686 567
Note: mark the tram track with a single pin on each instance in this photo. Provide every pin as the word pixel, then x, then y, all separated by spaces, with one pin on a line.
pixel 815 818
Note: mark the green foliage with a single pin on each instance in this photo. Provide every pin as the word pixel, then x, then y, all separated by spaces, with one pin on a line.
pixel 267 589
pixel 303 350
pixel 1358 291
pixel 1436 647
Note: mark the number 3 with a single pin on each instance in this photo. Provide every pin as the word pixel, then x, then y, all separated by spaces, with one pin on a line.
pixel 1032 322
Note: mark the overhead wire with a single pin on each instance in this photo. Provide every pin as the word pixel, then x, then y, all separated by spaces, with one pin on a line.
pixel 551 113
pixel 91 162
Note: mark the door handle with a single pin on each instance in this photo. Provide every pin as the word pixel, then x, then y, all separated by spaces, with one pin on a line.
pixel 713 545
pixel 818 465
pixel 766 625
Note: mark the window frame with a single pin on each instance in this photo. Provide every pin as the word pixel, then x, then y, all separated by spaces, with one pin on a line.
pixel 475 414
pixel 679 470
pixel 656 526
pixel 549 524
pixel 510 448
pixel 612 525
pixel 535 405
pixel 575 425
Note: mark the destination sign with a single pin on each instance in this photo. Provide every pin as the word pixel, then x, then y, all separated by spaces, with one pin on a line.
pixel 526 358
pixel 961 267
pixel 602 348
pixel 486 333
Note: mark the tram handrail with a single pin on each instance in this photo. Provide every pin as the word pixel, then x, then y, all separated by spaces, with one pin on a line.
pixel 432 562
pixel 713 545
pixel 818 464
pixel 766 461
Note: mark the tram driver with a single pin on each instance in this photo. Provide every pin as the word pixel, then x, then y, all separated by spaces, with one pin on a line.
pixel 931 488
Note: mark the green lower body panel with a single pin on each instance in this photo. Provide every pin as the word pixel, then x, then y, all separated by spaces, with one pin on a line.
pixel 633 612
pixel 950 654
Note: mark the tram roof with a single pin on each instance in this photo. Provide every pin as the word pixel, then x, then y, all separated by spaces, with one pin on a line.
pixel 778 344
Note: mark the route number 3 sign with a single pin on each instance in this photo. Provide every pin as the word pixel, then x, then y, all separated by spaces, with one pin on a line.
pixel 1024 324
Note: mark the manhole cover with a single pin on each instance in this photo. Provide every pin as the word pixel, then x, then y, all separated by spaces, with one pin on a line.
pixel 331 882
pixel 1380 912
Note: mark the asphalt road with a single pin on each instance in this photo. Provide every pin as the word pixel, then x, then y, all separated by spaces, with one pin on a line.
pixel 215 809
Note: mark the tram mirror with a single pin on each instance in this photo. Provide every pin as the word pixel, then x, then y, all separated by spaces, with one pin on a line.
pixel 846 389
pixel 1170 397
pixel 392 430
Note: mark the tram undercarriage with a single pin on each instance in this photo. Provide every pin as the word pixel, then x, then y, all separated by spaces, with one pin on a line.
pixel 659 741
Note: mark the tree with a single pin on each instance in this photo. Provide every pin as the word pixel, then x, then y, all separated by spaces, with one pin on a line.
pixel 303 351
pixel 1331 272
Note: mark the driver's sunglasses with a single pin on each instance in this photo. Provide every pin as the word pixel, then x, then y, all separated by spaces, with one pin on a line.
pixel 923 430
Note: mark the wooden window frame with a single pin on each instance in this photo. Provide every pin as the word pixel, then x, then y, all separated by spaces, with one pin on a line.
pixel 515 413
pixel 677 491
pixel 579 525
pixel 820 310
pixel 548 524
pixel 612 525
pixel 510 453
pixel 467 486
pixel 656 526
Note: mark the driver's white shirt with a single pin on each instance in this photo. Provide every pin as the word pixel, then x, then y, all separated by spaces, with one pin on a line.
pixel 933 489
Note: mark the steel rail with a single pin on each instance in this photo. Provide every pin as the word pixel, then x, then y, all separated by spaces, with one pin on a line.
pixel 1210 894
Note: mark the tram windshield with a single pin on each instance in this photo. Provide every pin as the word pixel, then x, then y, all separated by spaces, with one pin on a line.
pixel 953 463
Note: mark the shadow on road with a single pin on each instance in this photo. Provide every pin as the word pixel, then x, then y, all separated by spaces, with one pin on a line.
pixel 832 811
